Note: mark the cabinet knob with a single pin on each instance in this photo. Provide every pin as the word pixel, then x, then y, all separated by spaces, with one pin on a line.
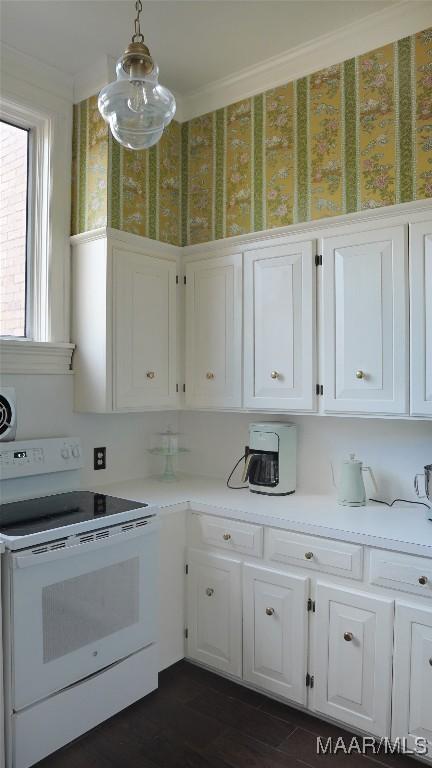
pixel 308 555
pixel 209 591
pixel 348 636
pixel 360 375
pixel 226 536
pixel 423 580
pixel 210 376
pixel 270 611
pixel 150 374
pixel 275 375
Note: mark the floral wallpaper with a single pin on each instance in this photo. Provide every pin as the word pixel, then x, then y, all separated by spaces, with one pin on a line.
pixel 354 136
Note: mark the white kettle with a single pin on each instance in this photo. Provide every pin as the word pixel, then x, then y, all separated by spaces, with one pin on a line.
pixel 351 489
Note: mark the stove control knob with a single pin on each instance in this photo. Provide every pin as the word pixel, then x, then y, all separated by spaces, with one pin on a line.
pixel 65 452
pixel 75 452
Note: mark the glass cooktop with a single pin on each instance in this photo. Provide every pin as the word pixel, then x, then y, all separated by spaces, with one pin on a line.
pixel 21 518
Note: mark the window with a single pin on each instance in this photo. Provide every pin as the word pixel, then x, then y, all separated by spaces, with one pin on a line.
pixel 14 189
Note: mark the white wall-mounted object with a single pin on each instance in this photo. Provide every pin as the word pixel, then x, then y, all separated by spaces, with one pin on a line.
pixel 421 317
pixel 214 332
pixel 365 321
pixel 412 687
pixel 124 323
pixel 279 327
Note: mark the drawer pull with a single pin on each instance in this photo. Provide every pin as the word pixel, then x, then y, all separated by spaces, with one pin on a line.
pixel 226 536
pixel 360 375
pixel 210 376
pixel 309 555
pixel 209 591
pixel 423 580
pixel 270 611
pixel 348 636
pixel 150 374
pixel 275 375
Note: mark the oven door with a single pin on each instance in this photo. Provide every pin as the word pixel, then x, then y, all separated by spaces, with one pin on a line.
pixel 79 609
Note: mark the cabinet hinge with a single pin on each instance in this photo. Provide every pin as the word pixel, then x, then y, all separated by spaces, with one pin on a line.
pixel 186 633
pixel 176 387
pixel 186 569
pixel 309 680
pixel 184 387
pixel 184 280
pixel 311 605
pixel 177 279
pixel 318 260
pixel 319 389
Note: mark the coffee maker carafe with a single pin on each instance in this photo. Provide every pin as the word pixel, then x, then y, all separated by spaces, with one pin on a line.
pixel 270 466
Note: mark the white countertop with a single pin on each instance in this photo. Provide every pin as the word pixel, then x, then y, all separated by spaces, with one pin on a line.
pixel 402 528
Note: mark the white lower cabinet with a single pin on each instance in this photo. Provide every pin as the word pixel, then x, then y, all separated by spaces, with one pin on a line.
pixel 353 639
pixel 275 631
pixel 412 680
pixel 214 611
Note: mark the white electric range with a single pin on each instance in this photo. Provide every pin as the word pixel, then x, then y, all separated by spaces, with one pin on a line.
pixel 79 599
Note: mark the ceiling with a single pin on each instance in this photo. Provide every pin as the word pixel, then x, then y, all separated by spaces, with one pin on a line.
pixel 195 42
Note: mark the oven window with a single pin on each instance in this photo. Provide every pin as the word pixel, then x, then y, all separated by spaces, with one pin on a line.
pixel 87 608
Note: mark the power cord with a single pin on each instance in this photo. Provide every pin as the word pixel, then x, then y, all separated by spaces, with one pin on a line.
pixel 236 487
pixel 405 501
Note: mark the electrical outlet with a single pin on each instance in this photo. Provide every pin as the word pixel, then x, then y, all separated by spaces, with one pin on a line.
pixel 99 458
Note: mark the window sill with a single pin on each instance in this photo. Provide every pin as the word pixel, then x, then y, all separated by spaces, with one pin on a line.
pixel 24 356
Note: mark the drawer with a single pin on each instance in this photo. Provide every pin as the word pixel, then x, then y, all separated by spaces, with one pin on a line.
pixel 318 554
pixel 230 534
pixel 406 573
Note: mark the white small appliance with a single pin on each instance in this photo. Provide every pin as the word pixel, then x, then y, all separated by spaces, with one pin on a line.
pixel 80 599
pixel 271 458
pixel 8 416
pixel 351 488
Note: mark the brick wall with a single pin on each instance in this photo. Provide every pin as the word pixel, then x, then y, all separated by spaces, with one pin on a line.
pixel 13 201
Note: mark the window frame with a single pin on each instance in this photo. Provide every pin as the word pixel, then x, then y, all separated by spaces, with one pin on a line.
pixel 29 227
pixel 38 216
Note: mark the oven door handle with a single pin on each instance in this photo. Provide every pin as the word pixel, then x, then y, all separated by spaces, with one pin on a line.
pixel 28 560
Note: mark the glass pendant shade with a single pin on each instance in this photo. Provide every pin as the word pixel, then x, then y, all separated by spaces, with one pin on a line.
pixel 135 106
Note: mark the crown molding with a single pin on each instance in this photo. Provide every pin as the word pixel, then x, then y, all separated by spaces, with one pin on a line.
pixel 21 66
pixel 88 82
pixel 380 28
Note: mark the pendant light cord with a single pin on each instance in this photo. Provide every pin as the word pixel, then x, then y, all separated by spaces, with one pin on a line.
pixel 138 36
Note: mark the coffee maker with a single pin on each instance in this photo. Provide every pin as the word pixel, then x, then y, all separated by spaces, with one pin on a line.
pixel 270 464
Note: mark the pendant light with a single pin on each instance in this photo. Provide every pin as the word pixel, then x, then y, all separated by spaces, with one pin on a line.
pixel 135 106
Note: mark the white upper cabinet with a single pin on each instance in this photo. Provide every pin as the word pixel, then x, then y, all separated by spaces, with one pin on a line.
pixel 365 322
pixel 124 324
pixel 144 324
pixel 213 332
pixel 421 317
pixel 279 344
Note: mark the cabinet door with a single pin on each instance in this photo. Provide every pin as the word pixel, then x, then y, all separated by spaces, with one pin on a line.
pixel 144 317
pixel 214 611
pixel 275 637
pixel 365 313
pixel 213 332
pixel 421 318
pixel 412 680
pixel 280 327
pixel 353 638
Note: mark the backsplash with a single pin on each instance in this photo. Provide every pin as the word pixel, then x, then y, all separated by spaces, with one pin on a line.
pixel 341 140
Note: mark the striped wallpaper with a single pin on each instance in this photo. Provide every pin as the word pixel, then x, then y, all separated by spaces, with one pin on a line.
pixel 353 136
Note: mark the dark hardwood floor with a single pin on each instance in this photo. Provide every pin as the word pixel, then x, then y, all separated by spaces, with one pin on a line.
pixel 199 720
